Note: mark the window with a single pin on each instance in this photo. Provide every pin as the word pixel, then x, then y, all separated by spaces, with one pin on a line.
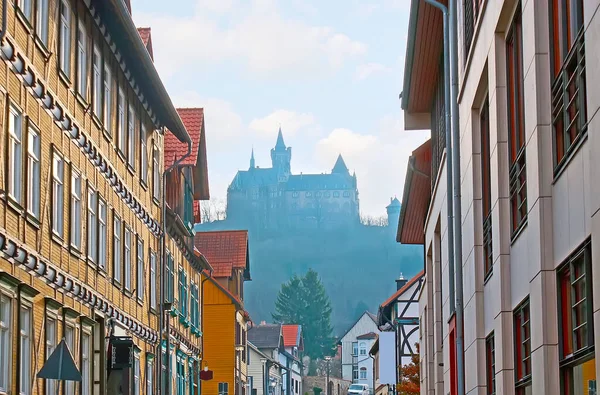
pixel 121 121
pixel 346 194
pixel 26 7
pixel 194 306
pixel 569 118
pixel 70 341
pixel 576 333
pixel 180 376
pixel 522 349
pixel 107 99
pixel 170 278
pixel 127 271
pixel 294 194
pixel 86 353
pixel 486 193
pixel 318 194
pixel 140 269
pixel 150 377
pixel 76 209
pixel 490 364
pixel 471 10
pixel 516 124
pixel 336 194
pixel 223 388
pixel 5 341
pixel 156 171
pixel 97 81
pixel 363 348
pixel 42 21
pixel 327 194
pixel 65 38
pixel 354 372
pixel 355 348
pixel 58 180
pixel 50 346
pixel 25 350
pixel 143 154
pixel 15 136
pixel 131 137
pixel 153 280
pixel 102 234
pixel 82 60
pixel 117 249
pixel 92 224
pixel 33 172
pixel 182 277
pixel 308 194
pixel 136 374
pixel 363 373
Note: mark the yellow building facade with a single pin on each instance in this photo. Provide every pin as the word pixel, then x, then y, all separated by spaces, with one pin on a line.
pixel 83 116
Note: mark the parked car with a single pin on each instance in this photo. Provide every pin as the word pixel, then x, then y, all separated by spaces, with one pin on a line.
pixel 358 389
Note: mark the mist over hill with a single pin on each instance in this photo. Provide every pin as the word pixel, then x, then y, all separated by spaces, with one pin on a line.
pixel 357 265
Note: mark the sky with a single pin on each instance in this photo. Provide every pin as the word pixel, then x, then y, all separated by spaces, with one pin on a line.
pixel 328 72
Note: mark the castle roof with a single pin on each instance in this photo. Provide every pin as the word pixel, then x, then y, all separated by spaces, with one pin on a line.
pixel 309 182
pixel 256 176
pixel 280 145
pixel 394 203
pixel 340 165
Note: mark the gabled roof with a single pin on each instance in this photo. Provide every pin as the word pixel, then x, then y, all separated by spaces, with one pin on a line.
pixel 340 166
pixel 225 250
pixel 402 290
pixel 292 335
pixel 236 301
pixel 193 119
pixel 146 36
pixel 280 144
pixel 369 314
pixel 365 336
pixel 265 335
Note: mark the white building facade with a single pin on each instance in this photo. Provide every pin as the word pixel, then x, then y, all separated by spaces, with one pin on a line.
pixel 530 195
pixel 357 365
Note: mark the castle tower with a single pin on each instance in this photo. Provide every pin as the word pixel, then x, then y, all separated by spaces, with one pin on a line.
pixel 340 166
pixel 393 212
pixel 281 158
pixel 252 163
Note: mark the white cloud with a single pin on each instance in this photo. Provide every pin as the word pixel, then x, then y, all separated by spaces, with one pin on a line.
pixel 291 122
pixel 379 158
pixel 364 71
pixel 257 36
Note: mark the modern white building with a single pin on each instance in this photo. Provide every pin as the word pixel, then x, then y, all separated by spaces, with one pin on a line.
pixel 528 100
pixel 357 365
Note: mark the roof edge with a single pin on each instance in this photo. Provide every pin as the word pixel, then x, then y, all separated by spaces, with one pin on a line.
pixel 410 50
pixel 405 196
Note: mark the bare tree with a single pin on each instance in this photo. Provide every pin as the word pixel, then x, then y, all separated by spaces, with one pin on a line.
pixel 213 210
pixel 369 220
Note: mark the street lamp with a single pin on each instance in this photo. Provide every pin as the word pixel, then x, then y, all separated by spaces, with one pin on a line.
pixel 327 360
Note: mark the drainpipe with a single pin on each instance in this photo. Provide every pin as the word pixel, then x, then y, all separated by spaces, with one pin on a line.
pixel 460 353
pixel 202 321
pixel 161 316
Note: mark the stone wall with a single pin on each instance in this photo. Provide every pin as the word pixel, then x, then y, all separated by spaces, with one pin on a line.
pixel 338 386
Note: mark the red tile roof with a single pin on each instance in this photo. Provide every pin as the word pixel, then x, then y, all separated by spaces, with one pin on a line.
pixel 146 36
pixel 224 250
pixel 192 118
pixel 404 288
pixel 290 335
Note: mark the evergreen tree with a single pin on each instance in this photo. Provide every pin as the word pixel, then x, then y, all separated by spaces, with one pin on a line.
pixel 304 301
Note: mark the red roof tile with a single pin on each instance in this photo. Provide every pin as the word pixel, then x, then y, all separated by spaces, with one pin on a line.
pixel 146 36
pixel 224 250
pixel 193 119
pixel 290 335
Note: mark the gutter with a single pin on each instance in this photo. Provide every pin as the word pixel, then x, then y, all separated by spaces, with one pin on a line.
pixel 161 315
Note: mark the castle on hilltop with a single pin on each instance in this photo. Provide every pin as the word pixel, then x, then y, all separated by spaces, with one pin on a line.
pixel 274 198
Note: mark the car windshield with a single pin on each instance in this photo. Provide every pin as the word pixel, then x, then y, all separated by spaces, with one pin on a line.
pixel 356 387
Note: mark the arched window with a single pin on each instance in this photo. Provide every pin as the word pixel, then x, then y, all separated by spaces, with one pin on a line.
pixel 363 373
pixel 363 348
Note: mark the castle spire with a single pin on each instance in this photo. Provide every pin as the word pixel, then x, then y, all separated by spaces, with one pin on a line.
pixel 340 166
pixel 280 145
pixel 252 163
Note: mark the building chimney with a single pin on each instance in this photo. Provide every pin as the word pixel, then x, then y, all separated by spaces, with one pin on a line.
pixel 400 282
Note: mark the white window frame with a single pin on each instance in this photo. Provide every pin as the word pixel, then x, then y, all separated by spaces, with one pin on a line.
pixel 6 355
pixel 97 81
pixel 58 194
pixel 92 225
pixel 25 325
pixel 156 173
pixel 136 374
pixel 43 18
pixel 121 122
pixel 150 377
pixel 82 57
pixel 15 167
pixel 33 171
pixel 107 99
pixel 127 259
pixel 153 303
pixel 117 249
pixel 65 38
pixel 86 360
pixel 69 335
pixel 76 197
pixel 143 154
pixel 131 136
pixel 363 373
pixel 102 233
pixel 363 348
pixel 26 7
pixel 51 332
pixel 140 269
